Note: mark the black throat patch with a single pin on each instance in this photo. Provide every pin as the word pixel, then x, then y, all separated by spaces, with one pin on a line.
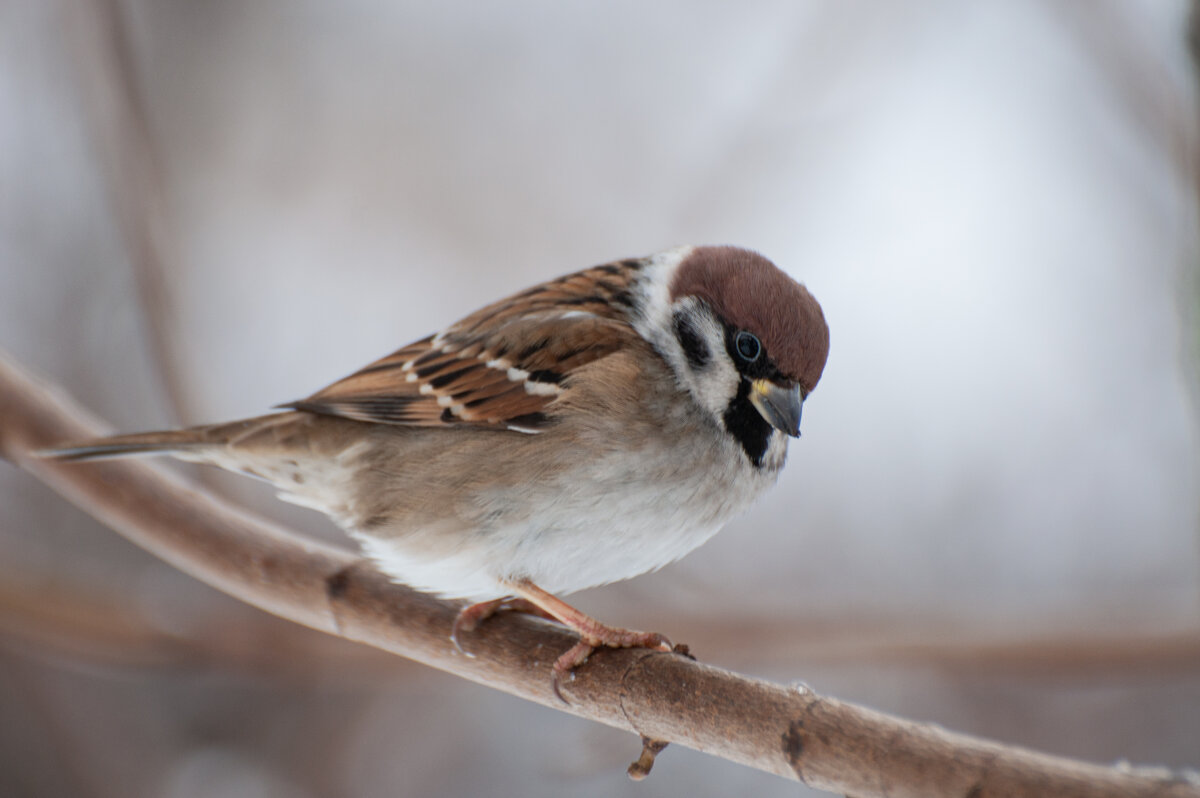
pixel 747 425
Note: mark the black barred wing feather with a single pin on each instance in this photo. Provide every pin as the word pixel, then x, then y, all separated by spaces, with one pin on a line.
pixel 502 366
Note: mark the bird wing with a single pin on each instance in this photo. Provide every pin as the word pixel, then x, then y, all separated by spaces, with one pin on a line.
pixel 502 366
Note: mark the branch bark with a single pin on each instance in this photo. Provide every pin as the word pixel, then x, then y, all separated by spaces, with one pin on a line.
pixel 793 733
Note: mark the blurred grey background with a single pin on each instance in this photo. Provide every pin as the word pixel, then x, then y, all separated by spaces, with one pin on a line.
pixel 991 521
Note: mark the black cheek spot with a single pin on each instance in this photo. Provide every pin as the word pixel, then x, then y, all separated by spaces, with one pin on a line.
pixel 693 345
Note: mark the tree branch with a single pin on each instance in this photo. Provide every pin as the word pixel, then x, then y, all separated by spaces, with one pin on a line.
pixel 793 733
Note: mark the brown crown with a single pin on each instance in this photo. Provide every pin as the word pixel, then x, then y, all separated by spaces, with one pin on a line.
pixel 751 293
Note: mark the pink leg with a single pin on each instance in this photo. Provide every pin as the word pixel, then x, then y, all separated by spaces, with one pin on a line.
pixel 593 634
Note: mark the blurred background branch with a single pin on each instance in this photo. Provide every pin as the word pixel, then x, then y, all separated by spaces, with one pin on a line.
pixel 119 129
pixel 45 618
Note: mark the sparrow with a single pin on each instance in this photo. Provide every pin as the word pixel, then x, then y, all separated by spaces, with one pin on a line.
pixel 580 432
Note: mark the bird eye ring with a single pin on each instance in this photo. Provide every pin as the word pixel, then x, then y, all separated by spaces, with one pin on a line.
pixel 748 346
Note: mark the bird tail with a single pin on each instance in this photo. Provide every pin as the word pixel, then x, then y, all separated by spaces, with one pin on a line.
pixel 182 442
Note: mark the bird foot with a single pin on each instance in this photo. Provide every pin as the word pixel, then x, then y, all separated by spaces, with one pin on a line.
pixel 529 598
pixel 470 617
pixel 597 636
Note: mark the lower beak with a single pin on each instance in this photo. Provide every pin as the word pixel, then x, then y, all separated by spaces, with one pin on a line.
pixel 779 405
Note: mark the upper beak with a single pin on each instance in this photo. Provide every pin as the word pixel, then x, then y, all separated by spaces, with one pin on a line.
pixel 780 405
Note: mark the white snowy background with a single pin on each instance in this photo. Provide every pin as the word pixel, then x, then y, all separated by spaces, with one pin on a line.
pixel 991 521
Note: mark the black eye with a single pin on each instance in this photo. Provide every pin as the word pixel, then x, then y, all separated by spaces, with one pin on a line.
pixel 748 346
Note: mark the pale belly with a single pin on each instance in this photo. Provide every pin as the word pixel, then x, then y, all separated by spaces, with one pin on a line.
pixel 602 525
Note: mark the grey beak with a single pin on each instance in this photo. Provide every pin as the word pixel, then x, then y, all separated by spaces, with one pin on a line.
pixel 779 405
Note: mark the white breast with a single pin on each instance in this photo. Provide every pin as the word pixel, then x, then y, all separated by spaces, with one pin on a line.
pixel 613 518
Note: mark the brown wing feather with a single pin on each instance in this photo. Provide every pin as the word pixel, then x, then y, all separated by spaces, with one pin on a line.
pixel 504 365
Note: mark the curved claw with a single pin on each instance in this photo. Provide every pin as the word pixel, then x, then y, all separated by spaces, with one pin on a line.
pixel 455 629
pixel 564 666
pixel 470 617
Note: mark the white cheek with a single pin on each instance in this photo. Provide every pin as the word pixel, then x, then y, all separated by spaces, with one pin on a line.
pixel 716 383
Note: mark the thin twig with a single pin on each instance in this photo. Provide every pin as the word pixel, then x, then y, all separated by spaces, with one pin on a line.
pixel 119 125
pixel 791 732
